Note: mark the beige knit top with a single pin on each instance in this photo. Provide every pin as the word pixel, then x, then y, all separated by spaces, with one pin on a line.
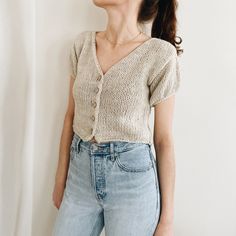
pixel 116 106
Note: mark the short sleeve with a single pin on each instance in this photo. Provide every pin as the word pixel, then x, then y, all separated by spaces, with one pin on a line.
pixel 75 51
pixel 73 60
pixel 166 82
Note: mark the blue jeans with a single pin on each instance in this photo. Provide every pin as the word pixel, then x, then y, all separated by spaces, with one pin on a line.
pixel 113 185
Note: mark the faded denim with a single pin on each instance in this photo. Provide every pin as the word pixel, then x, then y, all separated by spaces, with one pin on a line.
pixel 113 185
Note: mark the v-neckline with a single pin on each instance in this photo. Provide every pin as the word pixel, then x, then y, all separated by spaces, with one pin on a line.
pixel 94 49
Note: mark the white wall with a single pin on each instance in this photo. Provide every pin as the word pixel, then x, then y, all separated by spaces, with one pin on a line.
pixel 34 88
pixel 17 116
pixel 205 121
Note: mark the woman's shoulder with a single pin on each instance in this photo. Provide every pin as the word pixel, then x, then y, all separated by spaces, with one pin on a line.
pixel 81 36
pixel 163 48
pixel 162 55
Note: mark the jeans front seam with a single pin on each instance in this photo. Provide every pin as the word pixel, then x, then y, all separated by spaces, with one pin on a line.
pixel 94 226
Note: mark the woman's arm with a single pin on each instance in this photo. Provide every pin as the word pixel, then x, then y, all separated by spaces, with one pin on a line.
pixel 164 148
pixel 64 150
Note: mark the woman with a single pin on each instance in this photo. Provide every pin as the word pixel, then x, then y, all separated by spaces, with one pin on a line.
pixel 107 175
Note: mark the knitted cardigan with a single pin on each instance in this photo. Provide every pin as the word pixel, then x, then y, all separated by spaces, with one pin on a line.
pixel 116 106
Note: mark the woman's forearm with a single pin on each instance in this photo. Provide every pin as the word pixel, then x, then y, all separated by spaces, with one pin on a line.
pixel 166 170
pixel 64 150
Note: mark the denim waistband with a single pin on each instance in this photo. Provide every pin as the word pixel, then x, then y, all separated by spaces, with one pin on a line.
pixel 106 147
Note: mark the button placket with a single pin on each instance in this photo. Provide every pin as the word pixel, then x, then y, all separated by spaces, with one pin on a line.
pixel 94 102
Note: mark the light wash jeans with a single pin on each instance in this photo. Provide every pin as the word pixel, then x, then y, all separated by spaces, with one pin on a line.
pixel 113 185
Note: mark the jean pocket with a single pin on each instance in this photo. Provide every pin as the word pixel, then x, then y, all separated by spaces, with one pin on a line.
pixel 135 159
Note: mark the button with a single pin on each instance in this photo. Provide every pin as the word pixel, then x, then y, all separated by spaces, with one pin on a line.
pixel 93 117
pixel 96 90
pixel 94 104
pixel 99 77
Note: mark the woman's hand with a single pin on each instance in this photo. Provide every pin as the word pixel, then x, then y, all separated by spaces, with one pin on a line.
pixel 164 229
pixel 58 194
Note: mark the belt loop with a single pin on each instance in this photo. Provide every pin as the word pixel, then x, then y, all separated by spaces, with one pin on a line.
pixel 112 147
pixel 78 144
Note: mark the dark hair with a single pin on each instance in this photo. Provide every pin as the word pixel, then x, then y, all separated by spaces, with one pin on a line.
pixel 163 14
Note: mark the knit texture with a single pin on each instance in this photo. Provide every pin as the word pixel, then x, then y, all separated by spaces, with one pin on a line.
pixel 116 106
